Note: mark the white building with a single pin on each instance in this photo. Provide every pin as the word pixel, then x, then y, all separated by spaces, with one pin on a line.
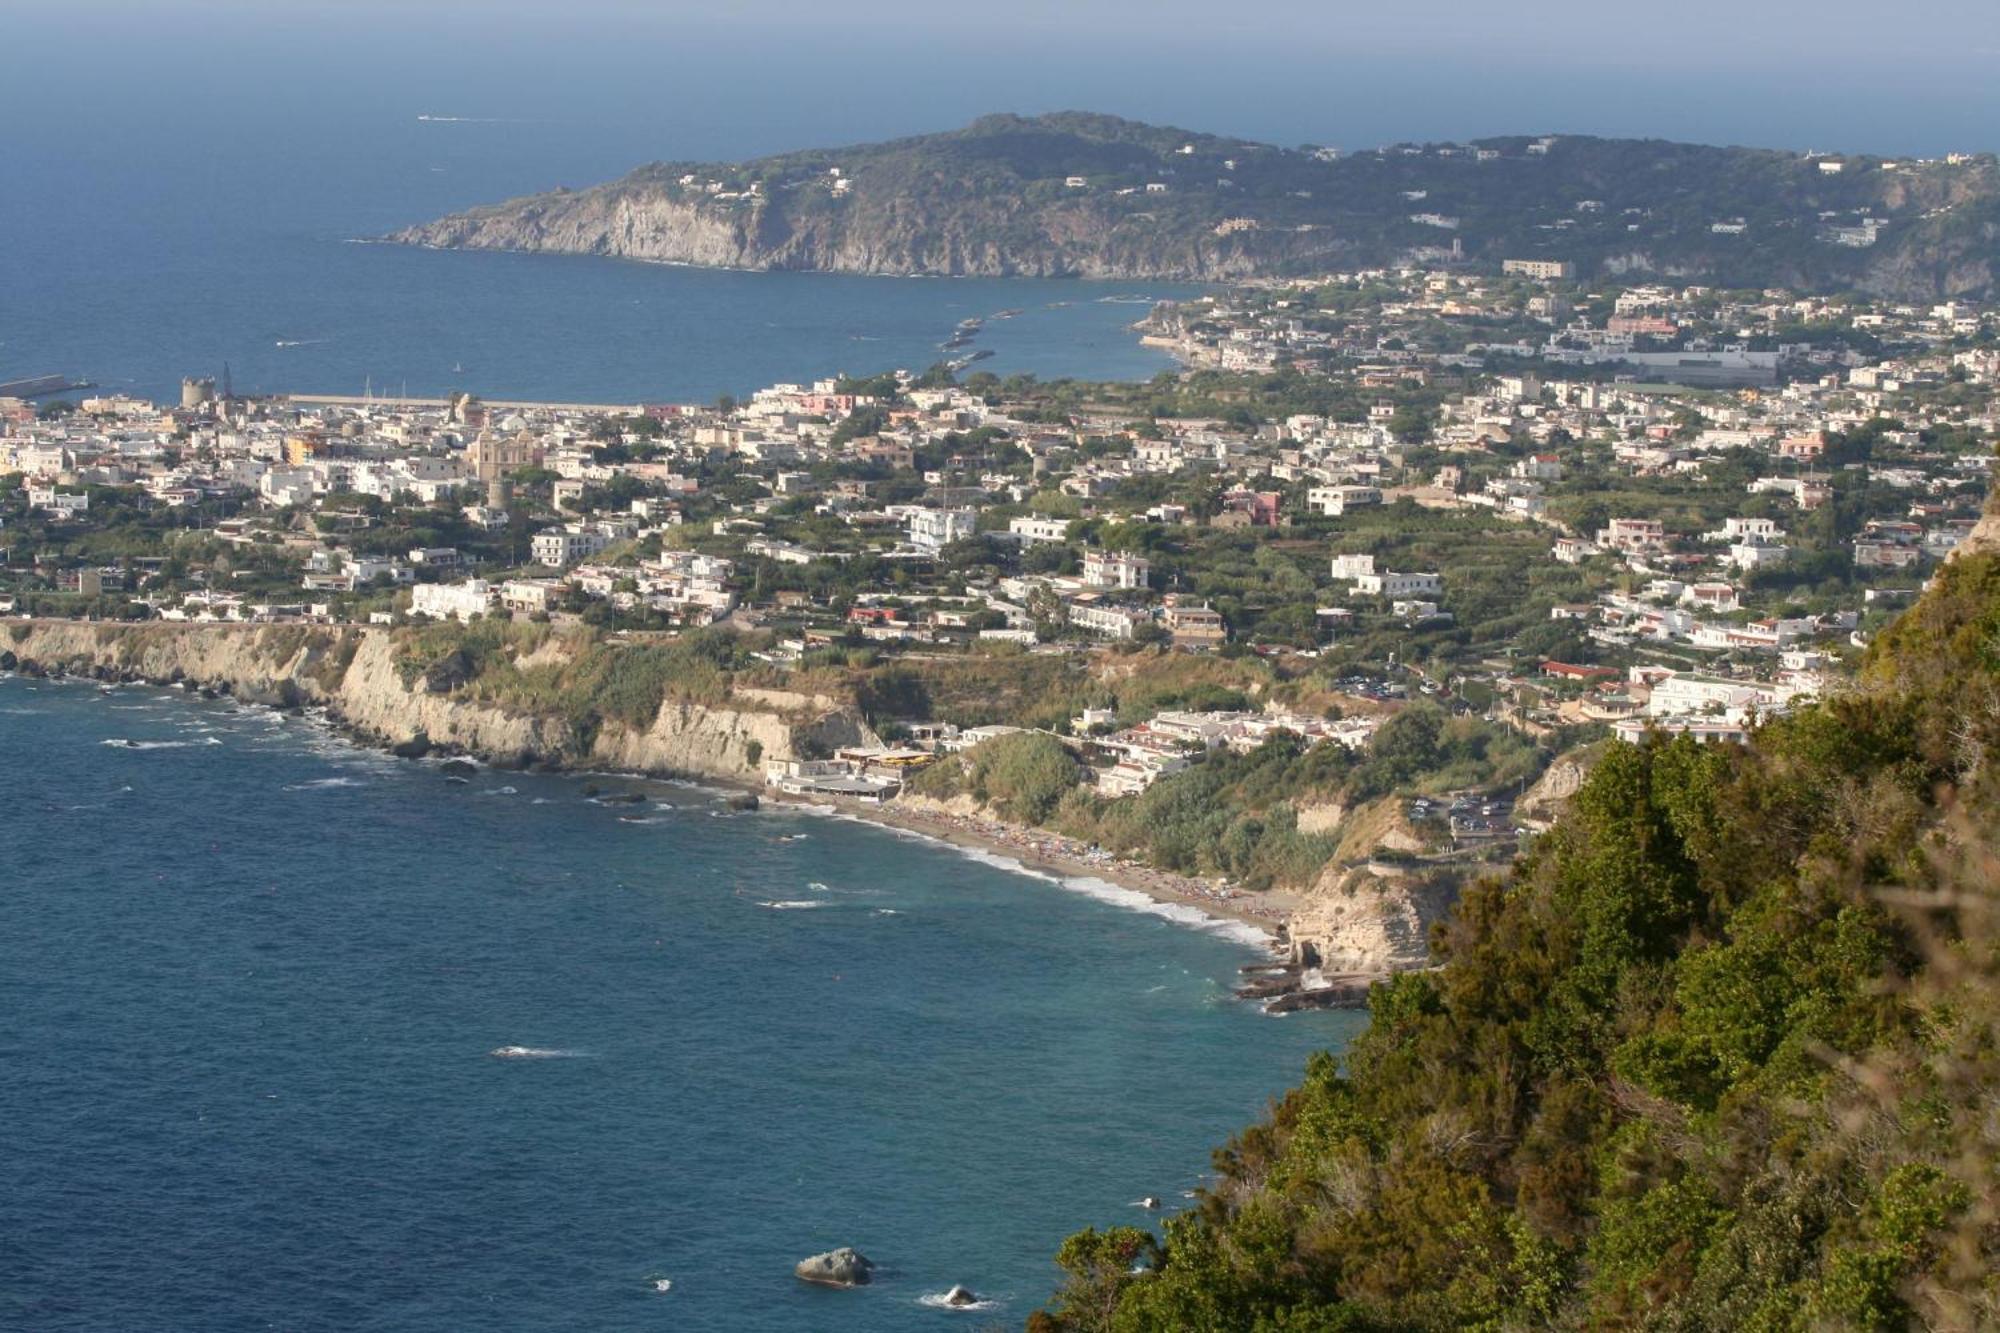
pixel 1573 550
pixel 557 547
pixel 452 601
pixel 1120 569
pixel 529 595
pixel 1745 529
pixel 1333 501
pixel 1399 585
pixel 1030 530
pixel 1348 568
pixel 1755 554
pixel 1113 622
pixel 934 529
pixel 51 501
pixel 1681 695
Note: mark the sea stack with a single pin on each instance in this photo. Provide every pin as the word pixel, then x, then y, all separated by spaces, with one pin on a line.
pixel 844 1267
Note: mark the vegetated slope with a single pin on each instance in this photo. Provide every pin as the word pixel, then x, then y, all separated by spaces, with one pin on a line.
pixel 1721 1052
pixel 1074 194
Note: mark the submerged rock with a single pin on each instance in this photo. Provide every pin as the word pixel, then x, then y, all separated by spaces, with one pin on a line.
pixel 961 1297
pixel 844 1267
pixel 743 801
pixel 458 768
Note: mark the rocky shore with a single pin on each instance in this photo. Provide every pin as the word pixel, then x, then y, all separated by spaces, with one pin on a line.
pixel 372 706
pixel 1324 948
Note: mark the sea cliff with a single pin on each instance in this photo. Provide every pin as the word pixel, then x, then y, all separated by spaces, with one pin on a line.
pixel 363 678
pixel 522 696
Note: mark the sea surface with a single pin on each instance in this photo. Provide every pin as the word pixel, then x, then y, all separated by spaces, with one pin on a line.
pixel 251 980
pixel 145 239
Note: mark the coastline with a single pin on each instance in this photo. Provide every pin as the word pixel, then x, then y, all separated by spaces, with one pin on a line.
pixel 1255 920
pixel 1053 855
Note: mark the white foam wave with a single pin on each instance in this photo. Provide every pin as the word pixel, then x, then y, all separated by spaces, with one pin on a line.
pixel 1117 895
pixel 122 743
pixel 323 784
pixel 940 1300
pixel 791 905
pixel 532 1053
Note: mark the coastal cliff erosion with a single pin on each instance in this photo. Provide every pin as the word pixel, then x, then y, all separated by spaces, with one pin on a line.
pixel 512 695
pixel 640 219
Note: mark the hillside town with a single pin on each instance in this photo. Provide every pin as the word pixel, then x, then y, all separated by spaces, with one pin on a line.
pixel 1567 512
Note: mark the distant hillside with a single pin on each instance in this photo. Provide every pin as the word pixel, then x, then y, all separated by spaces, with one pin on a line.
pixel 1094 196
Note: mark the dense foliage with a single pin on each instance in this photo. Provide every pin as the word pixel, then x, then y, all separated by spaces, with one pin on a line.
pixel 1720 1052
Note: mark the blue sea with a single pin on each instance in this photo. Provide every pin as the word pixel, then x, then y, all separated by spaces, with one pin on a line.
pixel 252 979
pixel 153 228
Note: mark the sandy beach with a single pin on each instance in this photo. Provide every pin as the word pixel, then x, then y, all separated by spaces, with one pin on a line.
pixel 1054 854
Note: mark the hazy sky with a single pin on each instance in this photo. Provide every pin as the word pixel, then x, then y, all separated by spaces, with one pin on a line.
pixel 758 75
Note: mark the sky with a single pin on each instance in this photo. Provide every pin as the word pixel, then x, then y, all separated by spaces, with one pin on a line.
pixel 738 77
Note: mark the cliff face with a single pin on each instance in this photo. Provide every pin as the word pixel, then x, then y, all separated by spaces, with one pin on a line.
pixel 961 236
pixel 357 676
pixel 1369 921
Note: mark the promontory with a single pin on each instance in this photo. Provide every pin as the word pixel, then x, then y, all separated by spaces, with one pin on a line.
pixel 1092 196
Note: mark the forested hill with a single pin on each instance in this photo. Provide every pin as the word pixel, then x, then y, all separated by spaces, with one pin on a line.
pixel 1085 195
pixel 1721 1053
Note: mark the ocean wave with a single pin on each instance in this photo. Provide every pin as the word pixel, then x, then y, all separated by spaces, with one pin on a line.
pixel 684 784
pixel 322 784
pixel 500 791
pixel 124 743
pixel 532 1053
pixel 1090 886
pixel 940 1300
pixel 791 904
